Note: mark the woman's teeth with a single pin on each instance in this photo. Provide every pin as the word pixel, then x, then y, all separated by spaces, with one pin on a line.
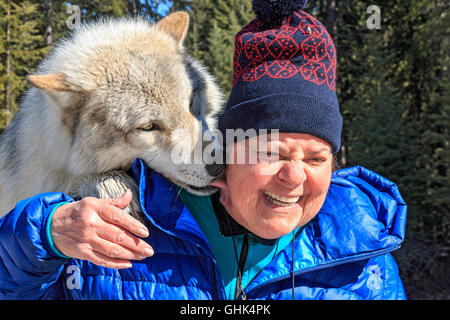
pixel 279 200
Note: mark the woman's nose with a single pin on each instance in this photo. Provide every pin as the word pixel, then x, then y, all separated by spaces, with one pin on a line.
pixel 292 173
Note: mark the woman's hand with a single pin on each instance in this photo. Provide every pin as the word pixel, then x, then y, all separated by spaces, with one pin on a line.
pixel 100 231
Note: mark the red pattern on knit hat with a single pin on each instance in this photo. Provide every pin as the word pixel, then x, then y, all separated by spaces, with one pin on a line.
pixel 278 53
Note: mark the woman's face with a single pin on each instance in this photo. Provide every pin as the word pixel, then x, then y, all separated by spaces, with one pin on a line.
pixel 281 190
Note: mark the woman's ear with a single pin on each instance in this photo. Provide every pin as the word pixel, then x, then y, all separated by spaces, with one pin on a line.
pixel 221 183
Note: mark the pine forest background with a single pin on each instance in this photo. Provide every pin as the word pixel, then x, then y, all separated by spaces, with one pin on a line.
pixel 393 87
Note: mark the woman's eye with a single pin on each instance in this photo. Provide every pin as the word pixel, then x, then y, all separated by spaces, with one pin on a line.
pixel 318 160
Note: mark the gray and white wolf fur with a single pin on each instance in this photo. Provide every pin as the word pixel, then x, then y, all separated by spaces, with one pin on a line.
pixel 114 91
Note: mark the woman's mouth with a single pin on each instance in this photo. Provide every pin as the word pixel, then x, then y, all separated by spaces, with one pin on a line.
pixel 280 200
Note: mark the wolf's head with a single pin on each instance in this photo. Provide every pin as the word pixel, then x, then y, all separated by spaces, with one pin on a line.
pixel 125 89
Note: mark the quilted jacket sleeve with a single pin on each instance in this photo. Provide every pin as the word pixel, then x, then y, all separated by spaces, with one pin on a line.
pixel 29 269
pixel 378 280
pixel 395 289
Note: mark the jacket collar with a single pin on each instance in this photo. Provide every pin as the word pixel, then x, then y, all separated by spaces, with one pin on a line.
pixel 228 226
pixel 163 208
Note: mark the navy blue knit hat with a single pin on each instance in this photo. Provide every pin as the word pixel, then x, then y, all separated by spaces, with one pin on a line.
pixel 284 74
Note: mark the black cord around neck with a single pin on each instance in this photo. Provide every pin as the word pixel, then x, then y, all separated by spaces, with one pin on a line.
pixel 241 289
pixel 293 262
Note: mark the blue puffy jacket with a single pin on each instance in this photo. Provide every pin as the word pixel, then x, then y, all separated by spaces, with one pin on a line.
pixel 343 253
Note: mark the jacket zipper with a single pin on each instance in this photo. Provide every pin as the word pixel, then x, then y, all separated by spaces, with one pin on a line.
pixel 363 256
pixel 239 290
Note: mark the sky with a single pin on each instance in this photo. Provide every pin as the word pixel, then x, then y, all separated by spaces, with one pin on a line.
pixel 163 8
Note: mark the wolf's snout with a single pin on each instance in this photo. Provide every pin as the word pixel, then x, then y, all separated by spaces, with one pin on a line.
pixel 214 169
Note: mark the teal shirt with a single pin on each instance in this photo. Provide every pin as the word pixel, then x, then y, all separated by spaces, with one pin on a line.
pixel 259 254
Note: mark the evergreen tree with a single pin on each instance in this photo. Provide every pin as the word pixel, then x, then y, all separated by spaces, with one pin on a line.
pixel 180 5
pixel 393 89
pixel 20 52
pixel 427 78
pixel 54 23
pixel 211 39
pixel 201 14
pixel 98 8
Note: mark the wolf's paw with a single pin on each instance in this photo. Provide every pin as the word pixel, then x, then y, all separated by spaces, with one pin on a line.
pixel 112 184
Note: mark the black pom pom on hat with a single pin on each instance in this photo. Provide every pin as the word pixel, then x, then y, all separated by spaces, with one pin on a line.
pixel 272 12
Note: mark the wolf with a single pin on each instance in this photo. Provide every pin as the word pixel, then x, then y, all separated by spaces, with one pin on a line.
pixel 115 90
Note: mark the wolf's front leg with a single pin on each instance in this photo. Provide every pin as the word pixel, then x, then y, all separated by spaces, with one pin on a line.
pixel 112 184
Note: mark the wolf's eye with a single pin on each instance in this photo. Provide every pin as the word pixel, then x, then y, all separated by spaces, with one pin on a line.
pixel 194 109
pixel 150 127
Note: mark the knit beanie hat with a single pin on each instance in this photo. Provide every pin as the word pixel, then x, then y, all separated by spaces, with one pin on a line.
pixel 284 72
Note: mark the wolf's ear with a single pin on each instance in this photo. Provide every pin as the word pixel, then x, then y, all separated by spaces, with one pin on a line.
pixel 175 24
pixel 51 82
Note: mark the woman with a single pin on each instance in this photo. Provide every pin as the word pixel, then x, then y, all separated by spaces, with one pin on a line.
pixel 283 227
